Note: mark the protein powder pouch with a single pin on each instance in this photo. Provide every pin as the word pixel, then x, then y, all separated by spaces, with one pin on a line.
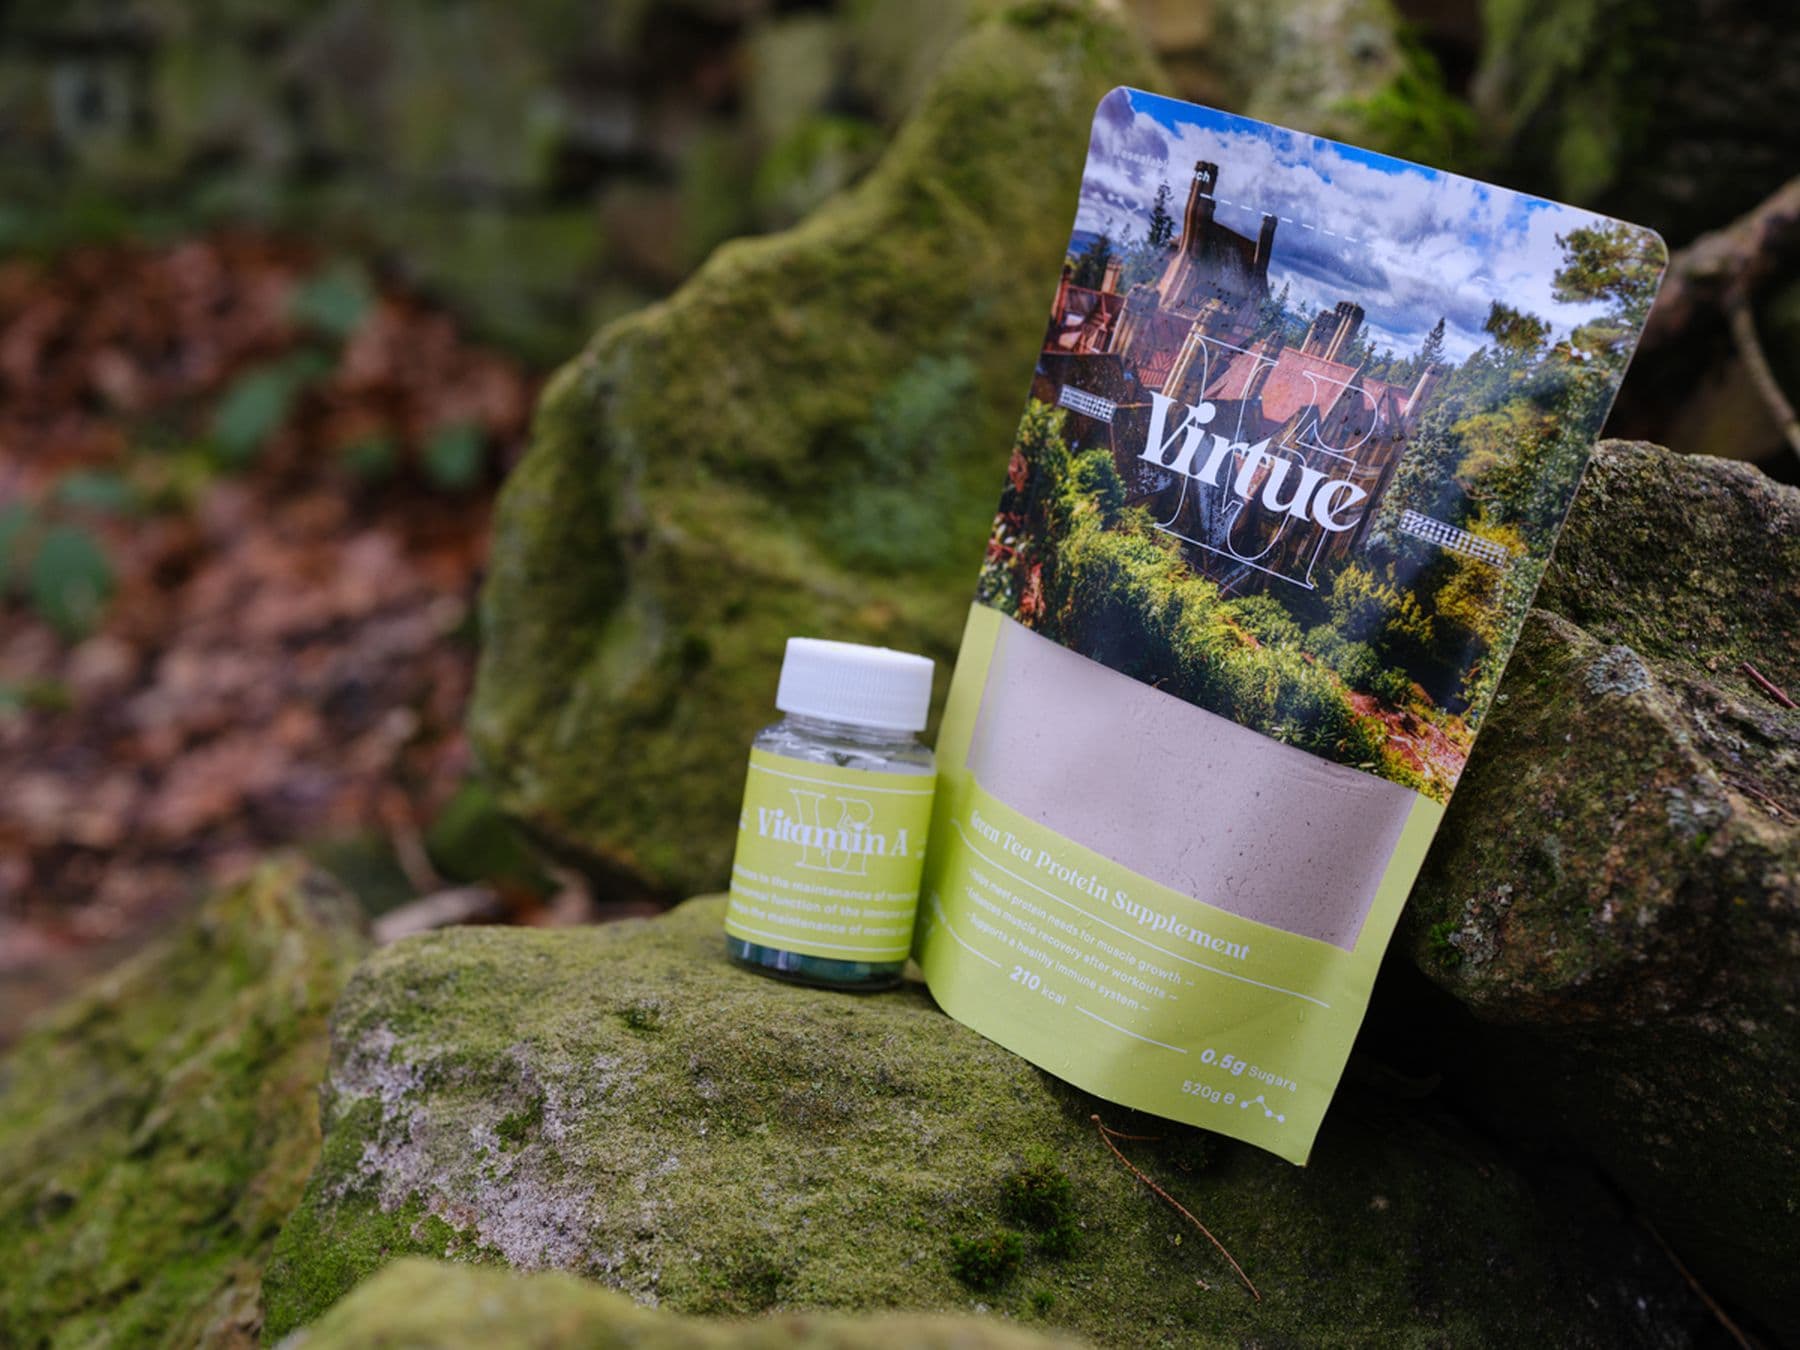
pixel 1303 428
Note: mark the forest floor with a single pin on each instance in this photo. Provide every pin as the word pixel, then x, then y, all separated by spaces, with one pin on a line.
pixel 244 499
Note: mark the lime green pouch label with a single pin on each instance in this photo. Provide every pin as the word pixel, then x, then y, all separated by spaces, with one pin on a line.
pixel 828 859
pixel 1140 993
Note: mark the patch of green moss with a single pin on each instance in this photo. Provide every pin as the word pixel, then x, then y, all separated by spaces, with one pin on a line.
pixel 1414 116
pixel 1438 943
pixel 315 1263
pixel 1703 577
pixel 517 1126
pixel 782 1148
pixel 987 1262
pixel 155 1131
pixel 1040 1196
pixel 746 1282
pixel 456 1307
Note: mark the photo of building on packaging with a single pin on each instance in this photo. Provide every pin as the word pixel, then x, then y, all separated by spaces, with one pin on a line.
pixel 1302 429
pixel 1304 426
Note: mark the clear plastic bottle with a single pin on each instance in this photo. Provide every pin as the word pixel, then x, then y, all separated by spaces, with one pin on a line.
pixel 832 836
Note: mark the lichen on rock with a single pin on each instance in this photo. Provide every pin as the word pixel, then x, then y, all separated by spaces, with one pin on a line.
pixel 450 1306
pixel 156 1130
pixel 1616 888
pixel 711 1141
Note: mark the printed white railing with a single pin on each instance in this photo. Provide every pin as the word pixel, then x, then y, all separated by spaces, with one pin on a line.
pixel 1457 541
pixel 1088 405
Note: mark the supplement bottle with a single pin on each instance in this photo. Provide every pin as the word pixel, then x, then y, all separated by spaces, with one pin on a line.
pixel 837 803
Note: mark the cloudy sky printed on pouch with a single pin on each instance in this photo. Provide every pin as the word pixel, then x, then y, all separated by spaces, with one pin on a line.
pixel 1409 243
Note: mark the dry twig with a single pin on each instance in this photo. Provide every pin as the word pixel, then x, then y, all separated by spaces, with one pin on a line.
pixel 1732 1328
pixel 1768 686
pixel 408 843
pixel 1769 804
pixel 1742 321
pixel 1719 273
pixel 1107 1136
pixel 1703 277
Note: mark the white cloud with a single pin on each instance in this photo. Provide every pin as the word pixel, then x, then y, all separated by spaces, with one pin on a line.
pixel 1408 245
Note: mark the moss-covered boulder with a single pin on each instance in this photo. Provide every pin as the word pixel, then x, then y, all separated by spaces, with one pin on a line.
pixel 1349 69
pixel 623 1104
pixel 1616 889
pixel 1672 115
pixel 447 1306
pixel 155 1131
pixel 808 438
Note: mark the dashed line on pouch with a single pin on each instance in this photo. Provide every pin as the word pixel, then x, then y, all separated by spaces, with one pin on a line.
pixel 1289 220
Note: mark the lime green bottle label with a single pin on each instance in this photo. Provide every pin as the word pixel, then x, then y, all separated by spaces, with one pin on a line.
pixel 828 859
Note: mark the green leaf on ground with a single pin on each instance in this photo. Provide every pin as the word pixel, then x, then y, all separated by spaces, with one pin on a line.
pixel 259 401
pixel 454 456
pixel 70 580
pixel 98 490
pixel 335 302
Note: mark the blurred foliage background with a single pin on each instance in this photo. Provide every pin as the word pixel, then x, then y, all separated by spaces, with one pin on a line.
pixel 279 282
pixel 541 166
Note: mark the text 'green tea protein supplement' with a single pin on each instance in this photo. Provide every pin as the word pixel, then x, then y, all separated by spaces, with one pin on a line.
pixel 831 838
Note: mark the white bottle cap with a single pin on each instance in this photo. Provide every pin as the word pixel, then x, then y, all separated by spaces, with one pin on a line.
pixel 847 682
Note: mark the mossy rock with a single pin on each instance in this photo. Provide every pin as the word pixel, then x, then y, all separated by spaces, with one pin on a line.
pixel 1349 69
pixel 1671 115
pixel 449 1306
pixel 156 1130
pixel 807 439
pixel 1616 888
pixel 623 1104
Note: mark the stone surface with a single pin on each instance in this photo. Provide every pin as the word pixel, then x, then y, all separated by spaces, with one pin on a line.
pixel 1616 888
pixel 155 1131
pixel 414 1302
pixel 1672 116
pixel 808 438
pixel 1341 68
pixel 624 1104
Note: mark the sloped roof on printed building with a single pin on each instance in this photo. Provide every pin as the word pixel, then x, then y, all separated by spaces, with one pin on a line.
pixel 1154 372
pixel 1298 381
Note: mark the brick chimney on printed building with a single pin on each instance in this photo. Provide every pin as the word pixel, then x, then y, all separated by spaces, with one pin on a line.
pixel 1196 225
pixel 1199 215
pixel 1423 390
pixel 1332 331
pixel 1265 245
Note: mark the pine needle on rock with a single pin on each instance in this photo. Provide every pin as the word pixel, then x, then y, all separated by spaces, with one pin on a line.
pixel 1107 1135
